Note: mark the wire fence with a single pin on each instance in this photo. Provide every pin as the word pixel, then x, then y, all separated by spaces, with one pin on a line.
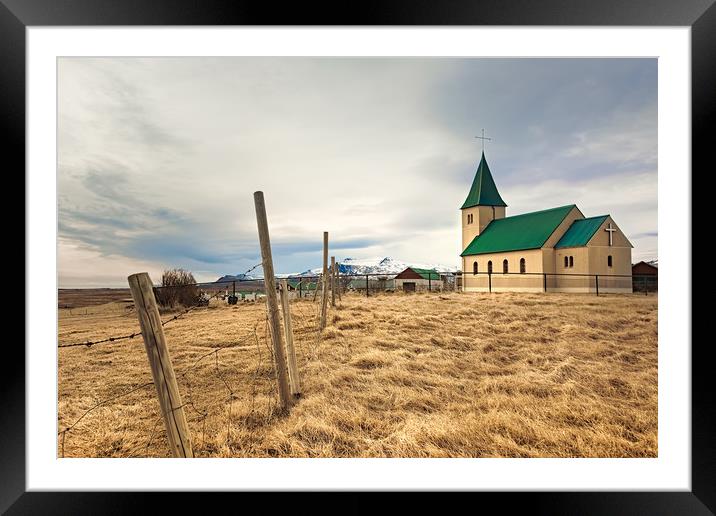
pixel 367 284
pixel 212 383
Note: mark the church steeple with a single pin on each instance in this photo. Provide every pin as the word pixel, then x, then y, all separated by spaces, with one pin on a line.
pixel 483 191
pixel 482 206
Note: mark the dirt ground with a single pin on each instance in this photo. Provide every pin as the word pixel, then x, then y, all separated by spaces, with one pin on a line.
pixel 399 375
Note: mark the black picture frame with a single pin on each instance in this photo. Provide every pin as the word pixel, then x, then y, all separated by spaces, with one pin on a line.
pixel 700 15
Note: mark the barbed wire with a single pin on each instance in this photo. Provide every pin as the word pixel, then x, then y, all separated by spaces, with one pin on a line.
pixel 306 325
pixel 91 343
pixel 203 412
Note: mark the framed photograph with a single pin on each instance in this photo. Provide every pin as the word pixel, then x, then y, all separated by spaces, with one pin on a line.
pixel 413 249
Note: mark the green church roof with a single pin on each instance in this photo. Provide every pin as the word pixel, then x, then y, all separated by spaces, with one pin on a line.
pixel 427 273
pixel 580 232
pixel 526 231
pixel 483 191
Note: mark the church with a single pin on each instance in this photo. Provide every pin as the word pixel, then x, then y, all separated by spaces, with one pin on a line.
pixel 553 250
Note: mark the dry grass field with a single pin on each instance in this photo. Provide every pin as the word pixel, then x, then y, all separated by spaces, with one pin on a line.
pixel 422 375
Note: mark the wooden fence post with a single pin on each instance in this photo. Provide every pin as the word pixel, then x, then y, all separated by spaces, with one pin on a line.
pixel 161 364
pixel 324 292
pixel 333 281
pixel 290 350
pixel 272 302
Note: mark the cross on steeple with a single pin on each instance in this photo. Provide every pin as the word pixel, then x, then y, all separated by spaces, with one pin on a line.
pixel 483 139
pixel 610 230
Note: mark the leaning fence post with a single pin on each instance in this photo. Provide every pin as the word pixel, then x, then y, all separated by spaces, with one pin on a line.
pixel 333 281
pixel 271 301
pixel 338 283
pixel 290 350
pixel 324 292
pixel 161 364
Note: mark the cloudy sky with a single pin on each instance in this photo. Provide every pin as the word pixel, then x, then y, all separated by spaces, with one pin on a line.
pixel 159 158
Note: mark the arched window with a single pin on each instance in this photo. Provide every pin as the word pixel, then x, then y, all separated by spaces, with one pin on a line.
pixel 571 261
pixel 474 268
pixel 489 267
pixel 523 266
pixel 609 260
pixel 566 262
pixel 505 267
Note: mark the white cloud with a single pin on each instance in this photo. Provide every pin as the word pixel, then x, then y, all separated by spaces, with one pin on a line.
pixel 159 158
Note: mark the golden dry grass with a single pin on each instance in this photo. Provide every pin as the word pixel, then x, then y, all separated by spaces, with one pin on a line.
pixel 426 375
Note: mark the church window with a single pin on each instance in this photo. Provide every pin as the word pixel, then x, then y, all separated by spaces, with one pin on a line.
pixel 566 262
pixel 505 267
pixel 609 260
pixel 489 267
pixel 523 267
pixel 474 268
pixel 571 261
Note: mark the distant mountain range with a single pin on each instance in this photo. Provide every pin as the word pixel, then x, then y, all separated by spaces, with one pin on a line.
pixel 387 266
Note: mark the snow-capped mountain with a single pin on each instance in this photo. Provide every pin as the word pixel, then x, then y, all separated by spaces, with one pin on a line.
pixel 248 277
pixel 387 266
pixel 236 277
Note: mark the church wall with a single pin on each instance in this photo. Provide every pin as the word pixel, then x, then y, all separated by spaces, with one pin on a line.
pixel 469 231
pixel 548 260
pixel 601 237
pixel 592 261
pixel 500 282
pixel 580 257
pixel 621 260
pixel 620 251
pixel 571 281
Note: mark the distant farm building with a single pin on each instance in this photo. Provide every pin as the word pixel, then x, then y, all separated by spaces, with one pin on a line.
pixel 374 283
pixel 301 287
pixel 413 279
pixel 645 275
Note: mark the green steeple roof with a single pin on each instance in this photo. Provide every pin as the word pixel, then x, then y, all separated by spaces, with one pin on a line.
pixel 483 191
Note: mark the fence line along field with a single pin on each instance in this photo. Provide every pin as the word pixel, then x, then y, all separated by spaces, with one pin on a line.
pixel 399 375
